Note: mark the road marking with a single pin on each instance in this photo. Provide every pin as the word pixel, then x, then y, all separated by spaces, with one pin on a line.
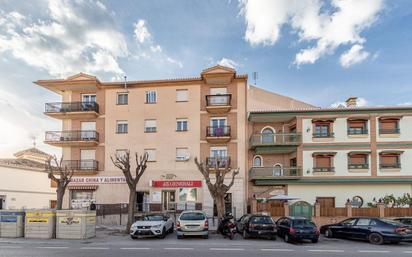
pixel 407 251
pixel 11 247
pixel 135 248
pixel 327 251
pixel 52 247
pixel 372 251
pixel 95 248
pixel 177 248
pixel 277 250
pixel 226 249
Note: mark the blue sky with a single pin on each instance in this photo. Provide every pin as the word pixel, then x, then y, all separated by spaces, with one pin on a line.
pixel 317 51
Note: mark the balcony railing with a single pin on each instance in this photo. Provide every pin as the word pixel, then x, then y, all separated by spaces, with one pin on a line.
pixel 389 131
pixel 64 107
pixel 357 131
pixel 220 162
pixel 275 173
pixel 218 100
pixel 81 165
pixel 323 169
pixel 323 135
pixel 275 139
pixel 223 131
pixel 71 135
pixel 353 166
pixel 390 166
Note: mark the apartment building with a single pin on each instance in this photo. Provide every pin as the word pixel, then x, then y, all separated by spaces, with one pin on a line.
pixel 329 155
pixel 173 120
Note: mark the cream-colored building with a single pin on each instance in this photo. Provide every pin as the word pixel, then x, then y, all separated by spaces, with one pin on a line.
pixel 173 120
pixel 24 182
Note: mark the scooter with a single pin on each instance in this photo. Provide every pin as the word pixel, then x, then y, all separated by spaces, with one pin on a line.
pixel 228 227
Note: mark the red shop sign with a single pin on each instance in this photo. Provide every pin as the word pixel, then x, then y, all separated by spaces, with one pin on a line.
pixel 176 183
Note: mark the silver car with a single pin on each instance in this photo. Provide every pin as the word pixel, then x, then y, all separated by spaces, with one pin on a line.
pixel 192 223
pixel 152 225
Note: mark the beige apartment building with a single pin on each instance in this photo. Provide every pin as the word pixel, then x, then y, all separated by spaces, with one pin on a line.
pixel 173 120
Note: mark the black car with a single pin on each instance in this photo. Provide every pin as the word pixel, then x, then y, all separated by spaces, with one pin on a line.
pixel 405 220
pixel 258 225
pixel 374 230
pixel 297 228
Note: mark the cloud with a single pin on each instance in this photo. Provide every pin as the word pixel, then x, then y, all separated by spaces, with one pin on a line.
pixel 353 56
pixel 228 63
pixel 75 36
pixel 405 104
pixel 323 27
pixel 141 33
pixel 360 102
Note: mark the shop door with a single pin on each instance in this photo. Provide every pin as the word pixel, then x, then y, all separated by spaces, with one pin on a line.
pixel 142 201
pixel 169 200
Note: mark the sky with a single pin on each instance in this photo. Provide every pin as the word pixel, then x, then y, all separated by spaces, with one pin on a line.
pixel 320 52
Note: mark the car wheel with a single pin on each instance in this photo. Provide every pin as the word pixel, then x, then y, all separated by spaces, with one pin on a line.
pixel 287 238
pixel 329 233
pixel 245 234
pixel 171 228
pixel 179 237
pixel 273 238
pixel 375 238
pixel 315 240
pixel 163 235
pixel 134 237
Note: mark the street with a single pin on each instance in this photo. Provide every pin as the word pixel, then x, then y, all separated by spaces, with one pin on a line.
pixel 115 244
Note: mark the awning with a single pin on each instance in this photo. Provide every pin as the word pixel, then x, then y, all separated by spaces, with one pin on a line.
pixel 85 187
pixel 324 153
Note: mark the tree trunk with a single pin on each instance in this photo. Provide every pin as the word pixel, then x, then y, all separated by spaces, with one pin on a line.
pixel 131 209
pixel 220 206
pixel 59 200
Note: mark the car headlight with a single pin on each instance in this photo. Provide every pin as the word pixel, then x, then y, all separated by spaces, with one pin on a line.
pixel 134 226
pixel 157 226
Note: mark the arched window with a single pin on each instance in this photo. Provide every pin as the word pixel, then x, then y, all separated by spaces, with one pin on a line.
pixel 257 161
pixel 268 135
pixel 277 170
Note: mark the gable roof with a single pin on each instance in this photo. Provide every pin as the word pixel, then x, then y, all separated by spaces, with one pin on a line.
pixel 32 151
pixel 82 76
pixel 22 163
pixel 218 69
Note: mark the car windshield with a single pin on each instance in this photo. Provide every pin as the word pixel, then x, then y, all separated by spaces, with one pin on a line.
pixel 192 216
pixel 303 223
pixel 262 220
pixel 151 218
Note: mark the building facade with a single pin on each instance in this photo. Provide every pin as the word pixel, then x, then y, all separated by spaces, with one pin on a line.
pixel 24 182
pixel 173 121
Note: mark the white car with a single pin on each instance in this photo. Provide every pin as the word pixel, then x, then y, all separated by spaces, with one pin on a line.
pixel 192 223
pixel 152 225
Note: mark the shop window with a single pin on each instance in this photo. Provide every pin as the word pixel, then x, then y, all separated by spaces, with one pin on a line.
pixel 81 198
pixel 389 126
pixel 358 161
pixel 357 127
pixel 188 195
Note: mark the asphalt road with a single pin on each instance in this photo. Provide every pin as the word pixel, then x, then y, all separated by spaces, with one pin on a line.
pixel 120 245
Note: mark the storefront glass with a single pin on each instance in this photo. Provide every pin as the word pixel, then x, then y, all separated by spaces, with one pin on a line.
pixel 187 194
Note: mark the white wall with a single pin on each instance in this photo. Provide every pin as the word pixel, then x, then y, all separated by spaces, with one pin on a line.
pixel 405 125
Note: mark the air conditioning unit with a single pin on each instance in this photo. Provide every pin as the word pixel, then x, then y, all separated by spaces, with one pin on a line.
pixel 183 158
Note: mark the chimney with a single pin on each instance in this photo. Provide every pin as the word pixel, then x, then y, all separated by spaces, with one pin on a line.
pixel 351 101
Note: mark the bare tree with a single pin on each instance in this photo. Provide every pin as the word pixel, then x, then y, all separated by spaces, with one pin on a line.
pixel 218 189
pixel 61 175
pixel 123 163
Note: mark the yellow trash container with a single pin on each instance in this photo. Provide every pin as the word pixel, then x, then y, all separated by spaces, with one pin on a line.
pixel 40 224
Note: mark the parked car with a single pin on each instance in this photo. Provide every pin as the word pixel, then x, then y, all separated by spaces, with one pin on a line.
pixel 374 230
pixel 152 225
pixel 297 228
pixel 240 222
pixel 405 220
pixel 257 226
pixel 192 223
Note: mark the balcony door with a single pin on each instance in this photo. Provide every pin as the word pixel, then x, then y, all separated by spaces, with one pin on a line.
pixel 88 130
pixel 218 127
pixel 268 136
pixel 218 153
pixel 88 98
pixel 86 159
pixel 216 100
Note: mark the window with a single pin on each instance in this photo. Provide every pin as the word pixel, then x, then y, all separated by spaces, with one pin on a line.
pixel 257 161
pixel 188 194
pixel 122 98
pixel 149 126
pixel 357 127
pixel 363 222
pixel 151 155
pixel 268 135
pixel 181 125
pixel 390 160
pixel 322 130
pixel 121 127
pixel 151 97
pixel 182 154
pixel 121 153
pixel 358 161
pixel 181 95
pixel 348 222
pixel 389 126
pixel 218 155
pixel 323 162
pixel 88 98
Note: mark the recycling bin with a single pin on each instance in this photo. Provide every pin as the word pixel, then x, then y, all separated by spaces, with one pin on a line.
pixel 40 224
pixel 75 224
pixel 11 223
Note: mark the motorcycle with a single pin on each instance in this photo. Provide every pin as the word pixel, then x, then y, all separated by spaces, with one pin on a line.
pixel 228 227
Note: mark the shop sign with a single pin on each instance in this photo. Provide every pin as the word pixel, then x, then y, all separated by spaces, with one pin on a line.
pixel 37 220
pixel 97 180
pixel 176 183
pixel 70 221
pixel 8 219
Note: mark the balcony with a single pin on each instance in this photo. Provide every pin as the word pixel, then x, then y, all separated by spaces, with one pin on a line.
pixel 274 173
pixel 324 170
pixel 82 166
pixel 72 138
pixel 219 162
pixel 72 110
pixel 362 166
pixel 218 134
pixel 218 103
pixel 275 143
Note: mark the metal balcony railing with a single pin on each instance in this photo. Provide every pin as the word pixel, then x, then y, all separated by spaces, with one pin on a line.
pixel 323 169
pixel 223 131
pixel 218 100
pixel 357 131
pixel 81 165
pixel 358 166
pixel 72 135
pixel 275 172
pixel 390 166
pixel 275 139
pixel 323 135
pixel 221 162
pixel 389 131
pixel 64 107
